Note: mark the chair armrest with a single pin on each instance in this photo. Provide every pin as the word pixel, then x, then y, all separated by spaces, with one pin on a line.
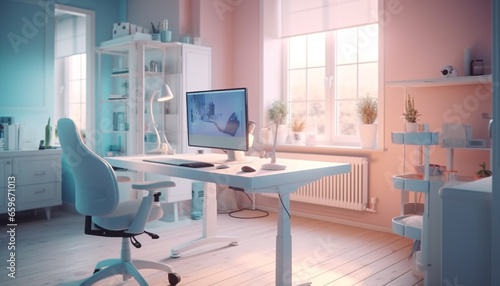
pixel 141 218
pixel 152 185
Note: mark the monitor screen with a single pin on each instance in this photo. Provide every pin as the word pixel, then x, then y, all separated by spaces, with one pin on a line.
pixel 218 119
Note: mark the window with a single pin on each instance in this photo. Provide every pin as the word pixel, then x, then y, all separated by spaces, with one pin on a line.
pixel 73 66
pixel 77 94
pixel 327 73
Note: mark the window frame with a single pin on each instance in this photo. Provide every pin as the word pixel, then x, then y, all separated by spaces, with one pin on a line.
pixel 332 140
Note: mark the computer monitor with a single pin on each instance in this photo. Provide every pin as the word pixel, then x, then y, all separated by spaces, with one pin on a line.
pixel 218 119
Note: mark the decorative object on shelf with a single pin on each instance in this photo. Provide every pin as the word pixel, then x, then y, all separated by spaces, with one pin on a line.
pixel 449 71
pixel 165 95
pixel 155 32
pixel 48 134
pixel 467 62
pixel 483 173
pixel 164 28
pixel 411 115
pixel 367 111
pixel 298 134
pixel 277 114
pixel 477 67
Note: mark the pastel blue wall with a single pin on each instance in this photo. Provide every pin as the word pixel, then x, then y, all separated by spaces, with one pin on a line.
pixel 27 59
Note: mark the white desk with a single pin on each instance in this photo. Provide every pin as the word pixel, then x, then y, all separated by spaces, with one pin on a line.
pixel 298 173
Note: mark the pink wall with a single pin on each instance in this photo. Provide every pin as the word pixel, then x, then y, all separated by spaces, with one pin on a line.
pixel 216 31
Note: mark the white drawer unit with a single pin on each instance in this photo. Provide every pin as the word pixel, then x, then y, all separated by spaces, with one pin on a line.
pixel 35 179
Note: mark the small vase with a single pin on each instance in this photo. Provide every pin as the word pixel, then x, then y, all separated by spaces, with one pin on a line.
pixel 166 36
pixel 368 135
pixel 299 138
pixel 155 37
pixel 282 134
pixel 48 134
pixel 411 127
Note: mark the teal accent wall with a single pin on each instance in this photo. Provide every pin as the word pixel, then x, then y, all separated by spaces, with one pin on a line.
pixel 27 60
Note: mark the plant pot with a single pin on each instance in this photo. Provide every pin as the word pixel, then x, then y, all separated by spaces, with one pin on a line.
pixel 156 37
pixel 411 127
pixel 282 134
pixel 368 135
pixel 299 138
pixel 166 36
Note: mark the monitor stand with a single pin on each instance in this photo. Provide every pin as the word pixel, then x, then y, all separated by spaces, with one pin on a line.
pixel 233 155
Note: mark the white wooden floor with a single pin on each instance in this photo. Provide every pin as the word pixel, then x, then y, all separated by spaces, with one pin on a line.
pixel 57 252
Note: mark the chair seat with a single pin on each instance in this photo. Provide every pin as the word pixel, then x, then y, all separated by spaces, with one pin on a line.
pixel 122 216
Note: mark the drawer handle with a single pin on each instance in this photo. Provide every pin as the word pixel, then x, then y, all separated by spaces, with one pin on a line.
pixel 41 173
pixel 39 191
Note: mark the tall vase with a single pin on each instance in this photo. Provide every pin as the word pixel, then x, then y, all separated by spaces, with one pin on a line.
pixel 368 135
pixel 48 134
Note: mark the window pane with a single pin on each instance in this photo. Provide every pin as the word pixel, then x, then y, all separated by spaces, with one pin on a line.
pixel 298 111
pixel 368 43
pixel 83 61
pixel 297 52
pixel 316 120
pixel 74 92
pixel 316 84
pixel 316 50
pixel 74 68
pixel 347 118
pixel 346 82
pixel 368 80
pixel 346 47
pixel 298 85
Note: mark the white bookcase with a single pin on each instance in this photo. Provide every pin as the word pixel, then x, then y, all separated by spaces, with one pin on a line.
pixel 129 74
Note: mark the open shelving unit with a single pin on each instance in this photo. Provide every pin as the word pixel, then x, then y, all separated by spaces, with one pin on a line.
pixel 415 224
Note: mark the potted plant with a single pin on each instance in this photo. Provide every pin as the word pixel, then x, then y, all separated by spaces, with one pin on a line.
pixel 155 32
pixel 277 114
pixel 367 111
pixel 298 134
pixel 411 115
pixel 483 173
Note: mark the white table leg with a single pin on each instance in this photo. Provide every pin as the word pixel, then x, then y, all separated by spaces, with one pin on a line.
pixel 209 234
pixel 284 243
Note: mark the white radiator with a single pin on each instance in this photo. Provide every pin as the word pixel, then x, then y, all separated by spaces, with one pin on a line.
pixel 348 191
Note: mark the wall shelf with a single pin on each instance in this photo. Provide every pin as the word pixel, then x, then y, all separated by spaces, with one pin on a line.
pixel 436 82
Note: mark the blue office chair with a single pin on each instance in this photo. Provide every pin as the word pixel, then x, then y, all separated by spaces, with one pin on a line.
pixel 97 197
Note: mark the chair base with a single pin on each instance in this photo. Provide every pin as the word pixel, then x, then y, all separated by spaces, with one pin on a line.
pixel 128 268
pixel 110 267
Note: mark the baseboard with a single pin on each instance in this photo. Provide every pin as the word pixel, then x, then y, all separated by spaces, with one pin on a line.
pixel 332 219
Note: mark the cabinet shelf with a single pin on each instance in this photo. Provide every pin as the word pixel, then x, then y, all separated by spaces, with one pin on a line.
pixel 413 182
pixel 409 226
pixel 415 138
pixel 436 82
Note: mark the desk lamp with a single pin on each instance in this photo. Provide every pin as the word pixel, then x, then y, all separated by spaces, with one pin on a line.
pixel 165 95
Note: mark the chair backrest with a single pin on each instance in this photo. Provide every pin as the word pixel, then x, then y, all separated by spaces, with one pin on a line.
pixel 96 186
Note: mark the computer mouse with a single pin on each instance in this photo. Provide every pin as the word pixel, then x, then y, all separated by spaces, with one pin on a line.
pixel 222 166
pixel 247 169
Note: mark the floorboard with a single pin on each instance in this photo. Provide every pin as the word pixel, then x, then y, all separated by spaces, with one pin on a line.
pixel 57 252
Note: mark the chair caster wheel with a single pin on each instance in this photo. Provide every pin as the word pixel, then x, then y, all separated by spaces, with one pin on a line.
pixel 173 279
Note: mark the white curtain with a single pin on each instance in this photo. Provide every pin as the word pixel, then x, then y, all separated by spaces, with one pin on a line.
pixel 300 17
pixel 69 35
